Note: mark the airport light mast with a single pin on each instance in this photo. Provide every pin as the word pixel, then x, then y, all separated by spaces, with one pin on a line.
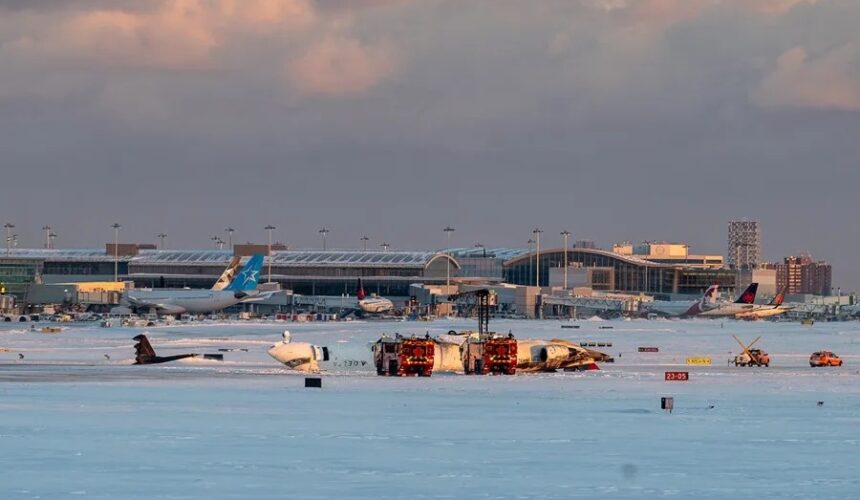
pixel 324 232
pixel 566 235
pixel 385 246
pixel 229 232
pixel 537 232
pixel 51 237
pixel 269 229
pixel 9 227
pixel 531 268
pixel 47 230
pixel 116 227
pixel 162 237
pixel 448 230
pixel 364 240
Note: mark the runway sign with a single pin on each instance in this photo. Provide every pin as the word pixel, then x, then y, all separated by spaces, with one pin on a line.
pixel 677 376
pixel 649 349
pixel 699 361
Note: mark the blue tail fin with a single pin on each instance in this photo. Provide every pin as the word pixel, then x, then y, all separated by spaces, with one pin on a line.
pixel 248 277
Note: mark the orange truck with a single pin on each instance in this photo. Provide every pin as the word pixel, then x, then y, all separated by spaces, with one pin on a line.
pixel 824 358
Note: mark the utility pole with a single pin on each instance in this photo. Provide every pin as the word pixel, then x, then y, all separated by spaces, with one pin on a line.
pixel 47 230
pixel 324 232
pixel 364 240
pixel 269 229
pixel 116 227
pixel 162 237
pixel 537 256
pixel 566 235
pixel 9 227
pixel 448 230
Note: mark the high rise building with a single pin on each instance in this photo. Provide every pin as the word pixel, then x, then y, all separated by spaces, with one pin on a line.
pixel 803 275
pixel 744 250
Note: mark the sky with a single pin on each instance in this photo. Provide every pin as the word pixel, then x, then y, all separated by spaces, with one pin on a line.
pixel 614 119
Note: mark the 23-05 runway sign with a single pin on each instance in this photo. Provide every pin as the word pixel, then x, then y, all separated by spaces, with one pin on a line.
pixel 677 376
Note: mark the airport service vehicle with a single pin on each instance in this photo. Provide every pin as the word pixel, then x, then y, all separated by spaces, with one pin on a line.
pixel 824 358
pixel 750 356
pixel 399 356
pixel 242 288
pixel 681 308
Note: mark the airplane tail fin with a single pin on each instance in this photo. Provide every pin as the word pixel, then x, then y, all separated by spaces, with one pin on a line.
pixel 700 306
pixel 779 298
pixel 228 274
pixel 249 276
pixel 143 351
pixel 748 297
pixel 360 292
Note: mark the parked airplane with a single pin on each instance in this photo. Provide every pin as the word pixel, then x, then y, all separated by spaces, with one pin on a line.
pixel 682 308
pixel 774 308
pixel 242 288
pixel 744 303
pixel 372 305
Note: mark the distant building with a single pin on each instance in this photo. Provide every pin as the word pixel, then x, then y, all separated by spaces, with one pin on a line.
pixel 744 248
pixel 802 275
pixel 587 244
pixel 669 253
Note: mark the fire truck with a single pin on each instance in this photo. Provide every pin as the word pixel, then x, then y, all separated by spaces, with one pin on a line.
pixel 404 357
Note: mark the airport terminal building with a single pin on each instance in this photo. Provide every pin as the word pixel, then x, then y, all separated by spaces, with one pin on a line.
pixel 336 272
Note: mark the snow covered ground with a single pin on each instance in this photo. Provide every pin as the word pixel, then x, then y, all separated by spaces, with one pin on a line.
pixel 77 420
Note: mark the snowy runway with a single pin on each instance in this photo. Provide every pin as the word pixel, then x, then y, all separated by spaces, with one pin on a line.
pixel 74 423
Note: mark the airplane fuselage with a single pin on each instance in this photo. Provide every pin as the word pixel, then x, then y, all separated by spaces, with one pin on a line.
pixel 186 301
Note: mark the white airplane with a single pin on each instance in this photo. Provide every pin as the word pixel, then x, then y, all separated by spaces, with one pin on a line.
pixel 532 355
pixel 682 308
pixel 373 304
pixel 242 288
pixel 745 303
pixel 774 308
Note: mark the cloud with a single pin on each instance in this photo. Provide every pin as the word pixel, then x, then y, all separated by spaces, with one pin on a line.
pixel 830 81
pixel 339 65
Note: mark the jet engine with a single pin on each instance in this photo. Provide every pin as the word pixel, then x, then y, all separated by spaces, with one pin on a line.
pixel 555 356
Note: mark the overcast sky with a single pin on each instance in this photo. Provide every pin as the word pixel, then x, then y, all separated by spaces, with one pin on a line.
pixel 615 119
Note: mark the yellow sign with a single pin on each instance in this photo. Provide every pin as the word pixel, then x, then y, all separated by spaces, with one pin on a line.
pixel 698 361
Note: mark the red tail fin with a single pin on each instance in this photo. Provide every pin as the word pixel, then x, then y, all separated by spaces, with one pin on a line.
pixel 360 292
pixel 748 297
pixel 778 299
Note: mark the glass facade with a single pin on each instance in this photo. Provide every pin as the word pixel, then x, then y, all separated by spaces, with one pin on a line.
pixel 631 274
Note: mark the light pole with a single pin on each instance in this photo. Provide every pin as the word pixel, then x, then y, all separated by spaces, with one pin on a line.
pixel 324 232
pixel 9 227
pixel 531 268
pixel 566 235
pixel 269 229
pixel 116 227
pixel 448 230
pixel 364 240
pixel 162 237
pixel 483 248
pixel 51 238
pixel 229 232
pixel 47 230
pixel 536 231
pixel 384 246
pixel 215 240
